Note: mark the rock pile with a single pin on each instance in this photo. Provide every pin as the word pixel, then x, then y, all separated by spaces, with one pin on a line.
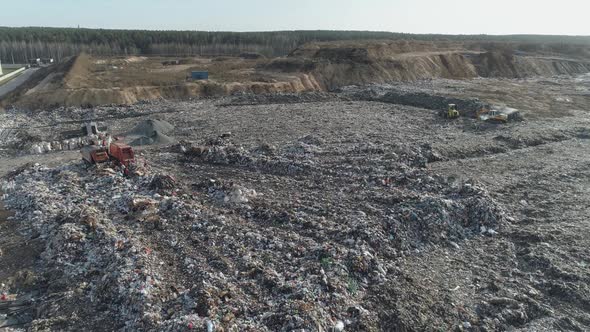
pixel 150 132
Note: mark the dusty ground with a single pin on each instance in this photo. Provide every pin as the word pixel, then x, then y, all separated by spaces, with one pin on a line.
pixel 315 67
pixel 91 80
pixel 366 216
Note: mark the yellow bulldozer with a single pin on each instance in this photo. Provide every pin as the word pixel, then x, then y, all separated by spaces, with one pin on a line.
pixel 451 112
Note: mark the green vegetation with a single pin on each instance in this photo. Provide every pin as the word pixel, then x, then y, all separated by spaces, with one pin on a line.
pixel 326 262
pixel 6 71
pixel 19 44
pixel 352 285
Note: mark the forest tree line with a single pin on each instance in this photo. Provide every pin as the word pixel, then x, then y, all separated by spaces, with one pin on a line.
pixel 18 45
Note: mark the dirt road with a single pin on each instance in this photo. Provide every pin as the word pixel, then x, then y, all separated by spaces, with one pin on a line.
pixel 14 83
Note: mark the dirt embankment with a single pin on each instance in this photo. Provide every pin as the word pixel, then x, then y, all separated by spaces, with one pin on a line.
pixel 507 64
pixel 129 95
pixel 89 81
pixel 334 65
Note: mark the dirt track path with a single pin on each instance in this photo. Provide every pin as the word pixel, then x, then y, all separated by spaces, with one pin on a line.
pixel 16 82
pixel 51 160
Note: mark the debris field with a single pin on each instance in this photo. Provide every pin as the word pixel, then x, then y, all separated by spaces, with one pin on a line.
pixel 337 212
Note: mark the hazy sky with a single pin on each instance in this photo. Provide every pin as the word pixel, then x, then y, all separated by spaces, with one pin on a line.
pixel 416 16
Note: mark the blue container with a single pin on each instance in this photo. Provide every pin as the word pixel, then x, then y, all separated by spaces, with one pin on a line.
pixel 200 75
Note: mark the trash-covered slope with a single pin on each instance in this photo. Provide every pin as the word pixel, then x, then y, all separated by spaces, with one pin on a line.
pixel 157 253
pixel 270 192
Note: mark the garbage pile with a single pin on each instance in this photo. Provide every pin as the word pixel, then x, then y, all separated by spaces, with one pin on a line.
pixel 222 151
pixel 13 134
pixel 88 221
pixel 294 237
pixel 26 132
pixel 421 209
pixel 63 145
pixel 416 97
pixel 453 215
pixel 279 98
pixel 434 102
pixel 12 140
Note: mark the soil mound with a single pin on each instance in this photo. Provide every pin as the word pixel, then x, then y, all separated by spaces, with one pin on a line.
pixel 79 72
pixel 154 139
pixel 148 127
pixel 508 64
pixel 151 132
pixel 370 49
pixel 335 65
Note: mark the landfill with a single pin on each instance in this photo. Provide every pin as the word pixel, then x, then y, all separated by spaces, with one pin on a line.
pixel 416 96
pixel 280 98
pixel 154 254
pixel 335 214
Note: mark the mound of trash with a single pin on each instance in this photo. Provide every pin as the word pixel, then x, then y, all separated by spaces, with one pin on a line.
pixel 416 97
pixel 89 244
pixel 261 238
pixel 422 208
pixel 279 98
pixel 148 127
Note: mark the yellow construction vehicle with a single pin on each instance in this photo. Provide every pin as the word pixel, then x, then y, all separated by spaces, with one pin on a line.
pixel 451 112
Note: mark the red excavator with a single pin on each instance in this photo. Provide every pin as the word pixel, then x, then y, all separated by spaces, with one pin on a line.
pixel 94 154
pixel 122 153
pixel 118 152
